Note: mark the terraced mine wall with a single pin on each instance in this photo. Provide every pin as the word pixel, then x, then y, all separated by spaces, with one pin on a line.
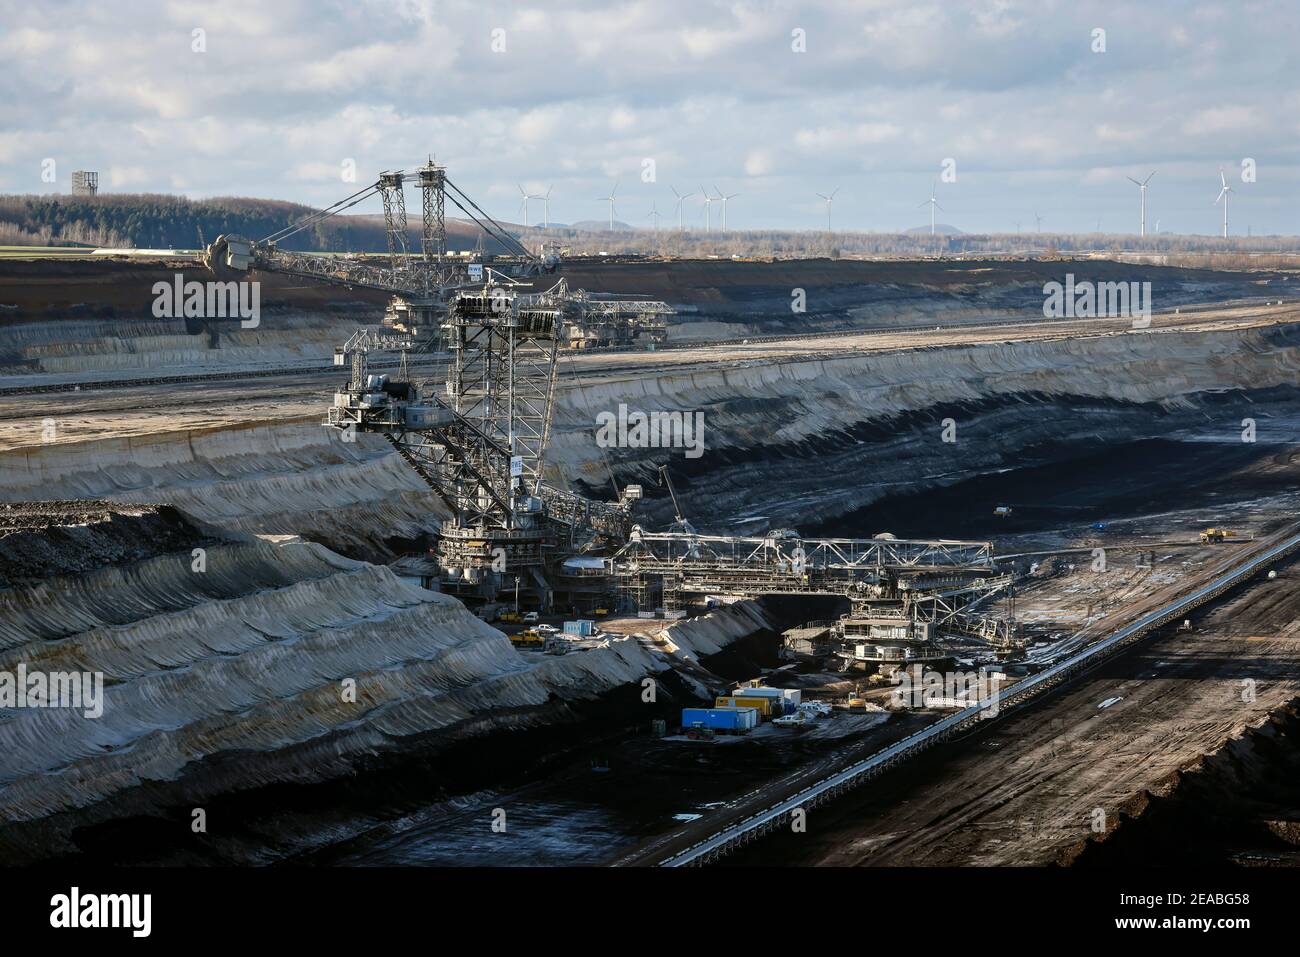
pixel 227 683
pixel 807 442
pixel 64 317
pixel 725 299
pixel 274 668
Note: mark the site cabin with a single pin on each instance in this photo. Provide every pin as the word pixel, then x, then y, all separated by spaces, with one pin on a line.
pixel 729 720
pixel 790 697
pixel 766 707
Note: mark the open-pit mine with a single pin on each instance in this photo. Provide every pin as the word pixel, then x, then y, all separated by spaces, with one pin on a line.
pixel 519 559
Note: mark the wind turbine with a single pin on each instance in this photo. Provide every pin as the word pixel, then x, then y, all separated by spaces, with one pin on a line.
pixel 828 206
pixel 934 204
pixel 1143 186
pixel 610 199
pixel 1038 222
pixel 680 198
pixel 524 205
pixel 546 203
pixel 1223 195
pixel 708 201
pixel 724 205
pixel 654 214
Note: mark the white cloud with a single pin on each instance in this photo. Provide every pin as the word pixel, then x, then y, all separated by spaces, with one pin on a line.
pixel 289 89
pixel 758 163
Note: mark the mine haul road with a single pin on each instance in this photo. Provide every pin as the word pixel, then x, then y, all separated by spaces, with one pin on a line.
pixel 1026 788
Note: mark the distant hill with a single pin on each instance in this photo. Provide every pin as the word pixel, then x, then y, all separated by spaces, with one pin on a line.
pixel 599 225
pixel 160 222
pixel 939 229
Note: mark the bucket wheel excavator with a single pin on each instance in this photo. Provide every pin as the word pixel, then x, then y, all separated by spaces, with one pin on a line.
pixel 479 443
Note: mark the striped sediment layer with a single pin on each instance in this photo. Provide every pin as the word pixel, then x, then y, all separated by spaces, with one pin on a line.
pixel 268 662
pixel 789 442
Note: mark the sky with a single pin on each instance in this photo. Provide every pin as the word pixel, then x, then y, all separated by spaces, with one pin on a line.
pixel 1006 110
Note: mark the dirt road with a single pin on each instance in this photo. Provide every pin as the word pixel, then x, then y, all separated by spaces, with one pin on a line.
pixel 1035 787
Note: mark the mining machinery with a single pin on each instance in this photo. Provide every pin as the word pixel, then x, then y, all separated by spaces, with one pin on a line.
pixel 479 441
pixel 479 444
pixel 420 280
pixel 909 600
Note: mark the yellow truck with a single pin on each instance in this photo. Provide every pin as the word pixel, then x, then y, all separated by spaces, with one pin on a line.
pixel 1212 535
pixel 528 637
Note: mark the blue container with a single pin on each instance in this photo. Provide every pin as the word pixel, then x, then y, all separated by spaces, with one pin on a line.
pixel 720 719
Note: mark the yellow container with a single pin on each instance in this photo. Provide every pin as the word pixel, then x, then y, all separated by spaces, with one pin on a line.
pixel 764 705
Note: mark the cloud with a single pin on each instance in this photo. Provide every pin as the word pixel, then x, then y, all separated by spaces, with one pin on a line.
pixel 711 91
pixel 758 163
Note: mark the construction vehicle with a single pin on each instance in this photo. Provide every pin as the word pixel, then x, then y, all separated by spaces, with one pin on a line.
pixel 513 617
pixel 856 702
pixel 1213 535
pixel 528 637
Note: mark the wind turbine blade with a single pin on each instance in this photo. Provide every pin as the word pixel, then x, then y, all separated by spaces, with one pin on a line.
pixel 834 191
pixel 1132 180
pixel 1148 179
pixel 922 203
pixel 1221 195
pixel 675 193
pixel 825 197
